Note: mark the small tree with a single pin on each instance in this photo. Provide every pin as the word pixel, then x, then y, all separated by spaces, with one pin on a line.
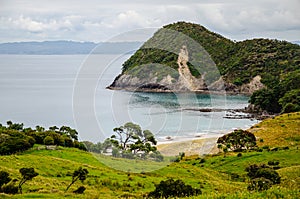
pixel 262 177
pixel 173 188
pixel 130 138
pixel 27 174
pixel 4 178
pixel 238 140
pixel 48 140
pixel 79 174
pixel 71 133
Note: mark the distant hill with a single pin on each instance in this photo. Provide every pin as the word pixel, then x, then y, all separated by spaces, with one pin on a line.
pixel 67 47
pixel 296 42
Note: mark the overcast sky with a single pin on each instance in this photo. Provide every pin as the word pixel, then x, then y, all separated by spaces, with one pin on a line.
pixel 99 20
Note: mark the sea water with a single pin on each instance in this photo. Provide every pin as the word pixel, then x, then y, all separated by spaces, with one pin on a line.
pixel 39 90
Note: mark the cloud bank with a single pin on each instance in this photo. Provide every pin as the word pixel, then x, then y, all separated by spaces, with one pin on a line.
pixel 93 20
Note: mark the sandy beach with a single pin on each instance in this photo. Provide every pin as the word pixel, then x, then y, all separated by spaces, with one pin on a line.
pixel 198 146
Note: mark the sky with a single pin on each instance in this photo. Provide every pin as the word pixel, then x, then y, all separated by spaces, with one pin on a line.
pixel 100 20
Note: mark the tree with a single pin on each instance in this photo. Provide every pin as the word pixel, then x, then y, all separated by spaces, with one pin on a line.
pixel 266 99
pixel 130 139
pixel 71 133
pixel 48 140
pixel 262 177
pixel 53 128
pixel 39 128
pixel 173 188
pixel 79 174
pixel 237 140
pixel 4 178
pixel 27 174
pixel 126 135
pixel 14 141
pixel 290 101
pixel 15 126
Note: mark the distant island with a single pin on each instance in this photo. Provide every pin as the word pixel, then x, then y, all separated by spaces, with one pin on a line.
pixel 187 57
pixel 67 47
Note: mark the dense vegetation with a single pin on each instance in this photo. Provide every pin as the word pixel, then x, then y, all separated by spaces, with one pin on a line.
pixel 15 138
pixel 277 62
pixel 270 171
pixel 128 141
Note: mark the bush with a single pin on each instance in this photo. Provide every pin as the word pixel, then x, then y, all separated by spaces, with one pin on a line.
pixel 48 140
pixel 237 141
pixel 262 177
pixel 289 108
pixel 172 188
pixel 14 144
pixel 80 190
pixel 259 184
pixel 4 178
pixel 156 156
pixel 10 188
pixel 273 163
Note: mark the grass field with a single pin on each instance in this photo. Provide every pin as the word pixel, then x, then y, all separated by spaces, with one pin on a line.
pixel 217 176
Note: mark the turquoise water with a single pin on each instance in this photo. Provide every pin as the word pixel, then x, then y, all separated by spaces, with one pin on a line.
pixel 39 90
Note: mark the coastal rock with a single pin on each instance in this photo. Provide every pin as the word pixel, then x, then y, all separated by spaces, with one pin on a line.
pixel 149 77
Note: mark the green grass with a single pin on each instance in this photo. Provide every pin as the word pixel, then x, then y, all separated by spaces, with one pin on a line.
pixel 283 130
pixel 217 176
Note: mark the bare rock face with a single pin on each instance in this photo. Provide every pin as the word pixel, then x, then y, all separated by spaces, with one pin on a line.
pixel 156 78
pixel 186 79
pixel 254 85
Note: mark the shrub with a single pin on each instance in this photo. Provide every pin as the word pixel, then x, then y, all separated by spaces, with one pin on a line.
pixel 156 156
pixel 237 140
pixel 10 188
pixel 273 163
pixel 173 188
pixel 259 184
pixel 48 140
pixel 4 178
pixel 80 190
pixel 262 177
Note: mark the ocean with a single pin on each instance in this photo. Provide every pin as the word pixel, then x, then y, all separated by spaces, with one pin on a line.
pixel 70 90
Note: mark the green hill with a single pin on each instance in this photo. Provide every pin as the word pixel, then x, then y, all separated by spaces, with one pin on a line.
pixel 245 66
pixel 238 62
pixel 217 176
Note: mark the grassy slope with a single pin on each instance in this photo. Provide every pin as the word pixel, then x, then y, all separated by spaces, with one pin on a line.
pixel 215 176
pixel 280 131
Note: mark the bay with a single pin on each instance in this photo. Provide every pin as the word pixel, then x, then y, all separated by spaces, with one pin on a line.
pixel 39 90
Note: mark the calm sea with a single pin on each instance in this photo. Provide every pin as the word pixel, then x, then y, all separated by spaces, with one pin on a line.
pixel 39 90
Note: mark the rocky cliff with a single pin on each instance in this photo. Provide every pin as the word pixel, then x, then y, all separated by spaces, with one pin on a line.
pixel 157 78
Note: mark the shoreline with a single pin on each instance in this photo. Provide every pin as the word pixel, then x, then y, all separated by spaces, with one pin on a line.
pixel 208 91
pixel 197 146
pixel 202 145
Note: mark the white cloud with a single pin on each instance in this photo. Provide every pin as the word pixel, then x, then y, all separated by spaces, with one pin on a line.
pixel 97 21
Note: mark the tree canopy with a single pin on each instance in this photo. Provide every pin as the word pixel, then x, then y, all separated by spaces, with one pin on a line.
pixel 15 138
pixel 131 141
pixel 27 174
pixel 78 174
pixel 238 140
